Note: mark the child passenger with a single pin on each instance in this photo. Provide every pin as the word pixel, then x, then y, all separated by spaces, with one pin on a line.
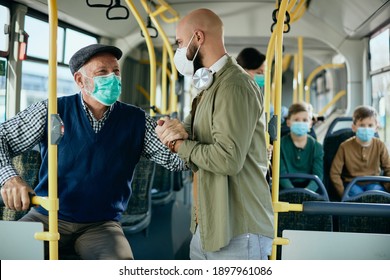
pixel 300 152
pixel 360 155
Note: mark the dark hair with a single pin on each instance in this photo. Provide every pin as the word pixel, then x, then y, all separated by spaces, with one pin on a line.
pixel 300 107
pixel 250 58
pixel 363 112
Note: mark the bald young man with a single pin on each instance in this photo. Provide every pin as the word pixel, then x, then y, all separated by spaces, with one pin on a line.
pixel 223 141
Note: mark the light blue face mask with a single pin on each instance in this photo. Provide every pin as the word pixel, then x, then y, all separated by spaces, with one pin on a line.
pixel 365 134
pixel 259 79
pixel 299 128
pixel 107 88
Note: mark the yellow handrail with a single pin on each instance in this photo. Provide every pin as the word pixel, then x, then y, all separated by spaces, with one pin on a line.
pixel 51 202
pixel 295 81
pixel 153 14
pixel 314 73
pixel 300 69
pixel 278 90
pixel 165 7
pixel 151 52
pixel 298 11
pixel 340 94
pixel 164 80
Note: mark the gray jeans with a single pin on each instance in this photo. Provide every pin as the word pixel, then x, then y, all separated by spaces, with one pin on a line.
pixel 90 241
pixel 243 247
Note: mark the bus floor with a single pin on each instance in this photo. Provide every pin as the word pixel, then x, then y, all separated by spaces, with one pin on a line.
pixel 168 235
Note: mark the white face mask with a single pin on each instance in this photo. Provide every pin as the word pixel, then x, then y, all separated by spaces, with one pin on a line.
pixel 183 65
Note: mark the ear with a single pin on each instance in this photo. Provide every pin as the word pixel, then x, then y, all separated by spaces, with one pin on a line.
pixel 78 78
pixel 199 36
pixel 354 128
pixel 288 122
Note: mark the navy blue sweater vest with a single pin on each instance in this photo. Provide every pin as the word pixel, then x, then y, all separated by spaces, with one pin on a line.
pixel 95 170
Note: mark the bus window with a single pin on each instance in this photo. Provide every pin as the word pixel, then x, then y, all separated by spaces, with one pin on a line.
pixel 3 84
pixel 380 80
pixel 381 97
pixel 4 49
pixel 35 69
pixel 76 40
pixel 4 23
pixel 38 32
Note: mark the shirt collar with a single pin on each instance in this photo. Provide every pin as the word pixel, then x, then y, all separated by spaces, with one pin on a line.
pixel 219 64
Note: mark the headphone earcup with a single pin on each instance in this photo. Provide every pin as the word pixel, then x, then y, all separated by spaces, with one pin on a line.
pixel 203 78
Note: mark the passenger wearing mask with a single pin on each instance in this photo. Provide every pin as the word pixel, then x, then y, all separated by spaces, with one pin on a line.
pixel 103 142
pixel 300 152
pixel 253 63
pixel 361 155
pixel 223 141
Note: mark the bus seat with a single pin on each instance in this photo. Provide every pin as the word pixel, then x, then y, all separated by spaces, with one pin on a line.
pixel 339 123
pixel 330 146
pixel 297 220
pixel 368 224
pixel 137 216
pixel 27 165
pixel 162 189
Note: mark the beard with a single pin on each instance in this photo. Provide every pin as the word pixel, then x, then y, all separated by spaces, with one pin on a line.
pixel 198 59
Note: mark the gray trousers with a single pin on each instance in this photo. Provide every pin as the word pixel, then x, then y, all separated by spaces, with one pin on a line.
pixel 89 241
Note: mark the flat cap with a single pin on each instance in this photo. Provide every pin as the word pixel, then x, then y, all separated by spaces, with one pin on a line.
pixel 86 53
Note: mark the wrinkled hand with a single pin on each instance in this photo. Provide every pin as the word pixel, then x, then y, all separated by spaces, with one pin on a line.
pixel 170 129
pixel 15 193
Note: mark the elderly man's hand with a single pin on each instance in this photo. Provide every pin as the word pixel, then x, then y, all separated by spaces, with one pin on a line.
pixel 170 129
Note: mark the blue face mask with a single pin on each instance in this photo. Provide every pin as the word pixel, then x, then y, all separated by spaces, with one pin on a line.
pixel 107 88
pixel 299 128
pixel 259 79
pixel 365 134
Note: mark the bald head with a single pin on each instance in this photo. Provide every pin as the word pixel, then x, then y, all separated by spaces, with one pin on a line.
pixel 207 29
pixel 203 20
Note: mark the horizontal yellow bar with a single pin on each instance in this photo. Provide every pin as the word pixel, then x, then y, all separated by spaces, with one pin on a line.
pixel 281 241
pixel 280 206
pixel 45 202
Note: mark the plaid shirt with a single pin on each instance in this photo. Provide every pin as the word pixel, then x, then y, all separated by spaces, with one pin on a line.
pixel 27 128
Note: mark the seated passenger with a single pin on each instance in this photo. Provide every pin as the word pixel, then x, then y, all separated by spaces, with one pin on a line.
pixel 361 155
pixel 285 129
pixel 300 152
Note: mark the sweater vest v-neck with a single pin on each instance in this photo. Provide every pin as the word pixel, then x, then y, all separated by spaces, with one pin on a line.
pixel 95 170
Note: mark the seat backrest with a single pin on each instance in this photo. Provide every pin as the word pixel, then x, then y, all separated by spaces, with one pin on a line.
pixel 27 165
pixel 299 220
pixel 137 216
pixel 369 224
pixel 340 123
pixel 162 189
pixel 331 145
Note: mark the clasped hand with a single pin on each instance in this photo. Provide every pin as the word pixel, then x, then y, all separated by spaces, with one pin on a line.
pixel 169 130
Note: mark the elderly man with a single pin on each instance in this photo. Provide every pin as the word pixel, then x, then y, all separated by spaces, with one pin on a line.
pixel 104 141
pixel 223 140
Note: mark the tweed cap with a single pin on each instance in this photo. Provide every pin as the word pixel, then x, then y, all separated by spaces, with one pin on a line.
pixel 83 55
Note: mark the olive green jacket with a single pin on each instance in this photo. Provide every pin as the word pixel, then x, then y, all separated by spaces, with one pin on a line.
pixel 228 151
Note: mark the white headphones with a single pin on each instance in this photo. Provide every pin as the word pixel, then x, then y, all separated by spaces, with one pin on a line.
pixel 203 78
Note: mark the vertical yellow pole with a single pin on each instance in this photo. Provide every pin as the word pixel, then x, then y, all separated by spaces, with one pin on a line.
pixel 295 81
pixel 164 80
pixel 52 150
pixel 300 68
pixel 151 52
pixel 314 73
pixel 278 93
